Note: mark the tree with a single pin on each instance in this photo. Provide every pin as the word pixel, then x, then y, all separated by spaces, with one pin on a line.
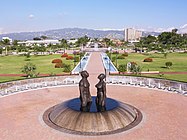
pixel 122 68
pixel 82 41
pixel 108 42
pixel 168 64
pixel 37 49
pixel 1 50
pixel 64 44
pixel 43 37
pixel 174 30
pixel 29 69
pixel 6 42
pixel 67 67
pixel 37 38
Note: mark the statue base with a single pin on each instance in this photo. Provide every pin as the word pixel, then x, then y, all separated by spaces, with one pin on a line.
pixel 117 117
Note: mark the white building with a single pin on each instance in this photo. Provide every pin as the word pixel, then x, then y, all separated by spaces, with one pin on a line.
pixel 39 42
pixel 132 35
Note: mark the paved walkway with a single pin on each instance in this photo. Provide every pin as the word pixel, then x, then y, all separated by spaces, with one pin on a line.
pixel 94 68
pixel 164 114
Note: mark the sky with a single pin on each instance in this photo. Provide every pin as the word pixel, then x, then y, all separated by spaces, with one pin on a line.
pixel 39 15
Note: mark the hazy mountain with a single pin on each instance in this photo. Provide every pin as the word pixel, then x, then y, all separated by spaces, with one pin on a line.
pixel 66 33
pixel 145 33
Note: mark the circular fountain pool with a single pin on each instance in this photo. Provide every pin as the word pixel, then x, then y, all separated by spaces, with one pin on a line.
pixel 67 117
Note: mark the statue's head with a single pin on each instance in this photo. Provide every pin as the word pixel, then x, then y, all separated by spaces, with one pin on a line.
pixel 84 74
pixel 101 76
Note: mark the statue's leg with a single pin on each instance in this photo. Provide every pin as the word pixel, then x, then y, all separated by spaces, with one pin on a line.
pixel 83 103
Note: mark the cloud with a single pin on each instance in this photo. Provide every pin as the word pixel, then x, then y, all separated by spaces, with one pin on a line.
pixel 152 29
pixel 31 16
pixel 110 29
pixel 183 29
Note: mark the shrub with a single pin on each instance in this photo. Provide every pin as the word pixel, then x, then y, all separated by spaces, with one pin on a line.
pixel 125 54
pixel 133 63
pixel 168 64
pixel 135 69
pixel 76 59
pixel 107 51
pixel 148 60
pixel 81 54
pixel 64 55
pixel 113 59
pixel 67 67
pixel 29 69
pixel 121 57
pixel 69 58
pixel 57 61
pixel 122 68
pixel 58 65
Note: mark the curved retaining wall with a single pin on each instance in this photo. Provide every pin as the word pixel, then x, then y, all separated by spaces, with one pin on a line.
pixel 37 83
pixel 167 85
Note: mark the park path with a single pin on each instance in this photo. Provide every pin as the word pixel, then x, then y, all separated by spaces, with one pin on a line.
pixel 94 68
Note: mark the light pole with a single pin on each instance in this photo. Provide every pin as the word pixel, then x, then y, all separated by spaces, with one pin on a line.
pixel 116 58
pixel 109 60
pixel 80 58
pixel 74 58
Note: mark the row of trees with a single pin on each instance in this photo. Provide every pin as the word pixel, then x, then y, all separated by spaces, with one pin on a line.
pixel 165 41
pixel 63 45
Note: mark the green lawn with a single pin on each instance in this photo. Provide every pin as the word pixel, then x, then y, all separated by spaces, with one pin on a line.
pixel 13 65
pixel 175 77
pixel 6 79
pixel 179 61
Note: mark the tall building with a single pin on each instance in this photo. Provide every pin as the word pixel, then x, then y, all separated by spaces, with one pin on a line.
pixel 132 35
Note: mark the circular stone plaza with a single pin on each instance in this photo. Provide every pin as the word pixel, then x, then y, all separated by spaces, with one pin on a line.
pixel 164 112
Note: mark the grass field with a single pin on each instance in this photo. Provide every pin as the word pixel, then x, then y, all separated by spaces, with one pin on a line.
pixel 179 61
pixel 13 65
pixel 175 77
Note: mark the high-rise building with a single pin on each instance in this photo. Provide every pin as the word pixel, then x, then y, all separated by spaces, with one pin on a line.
pixel 132 35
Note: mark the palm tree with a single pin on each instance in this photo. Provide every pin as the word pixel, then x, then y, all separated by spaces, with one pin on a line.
pixel 6 42
pixel 64 44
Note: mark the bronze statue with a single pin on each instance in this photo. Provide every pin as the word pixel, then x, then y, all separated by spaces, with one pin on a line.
pixel 101 93
pixel 85 97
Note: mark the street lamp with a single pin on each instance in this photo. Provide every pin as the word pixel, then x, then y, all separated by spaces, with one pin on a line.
pixel 116 58
pixel 74 58
pixel 109 59
pixel 80 58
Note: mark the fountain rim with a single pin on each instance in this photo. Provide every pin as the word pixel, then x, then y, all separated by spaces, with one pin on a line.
pixel 134 123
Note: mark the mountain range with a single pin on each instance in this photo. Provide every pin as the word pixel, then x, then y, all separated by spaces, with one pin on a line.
pixel 68 33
